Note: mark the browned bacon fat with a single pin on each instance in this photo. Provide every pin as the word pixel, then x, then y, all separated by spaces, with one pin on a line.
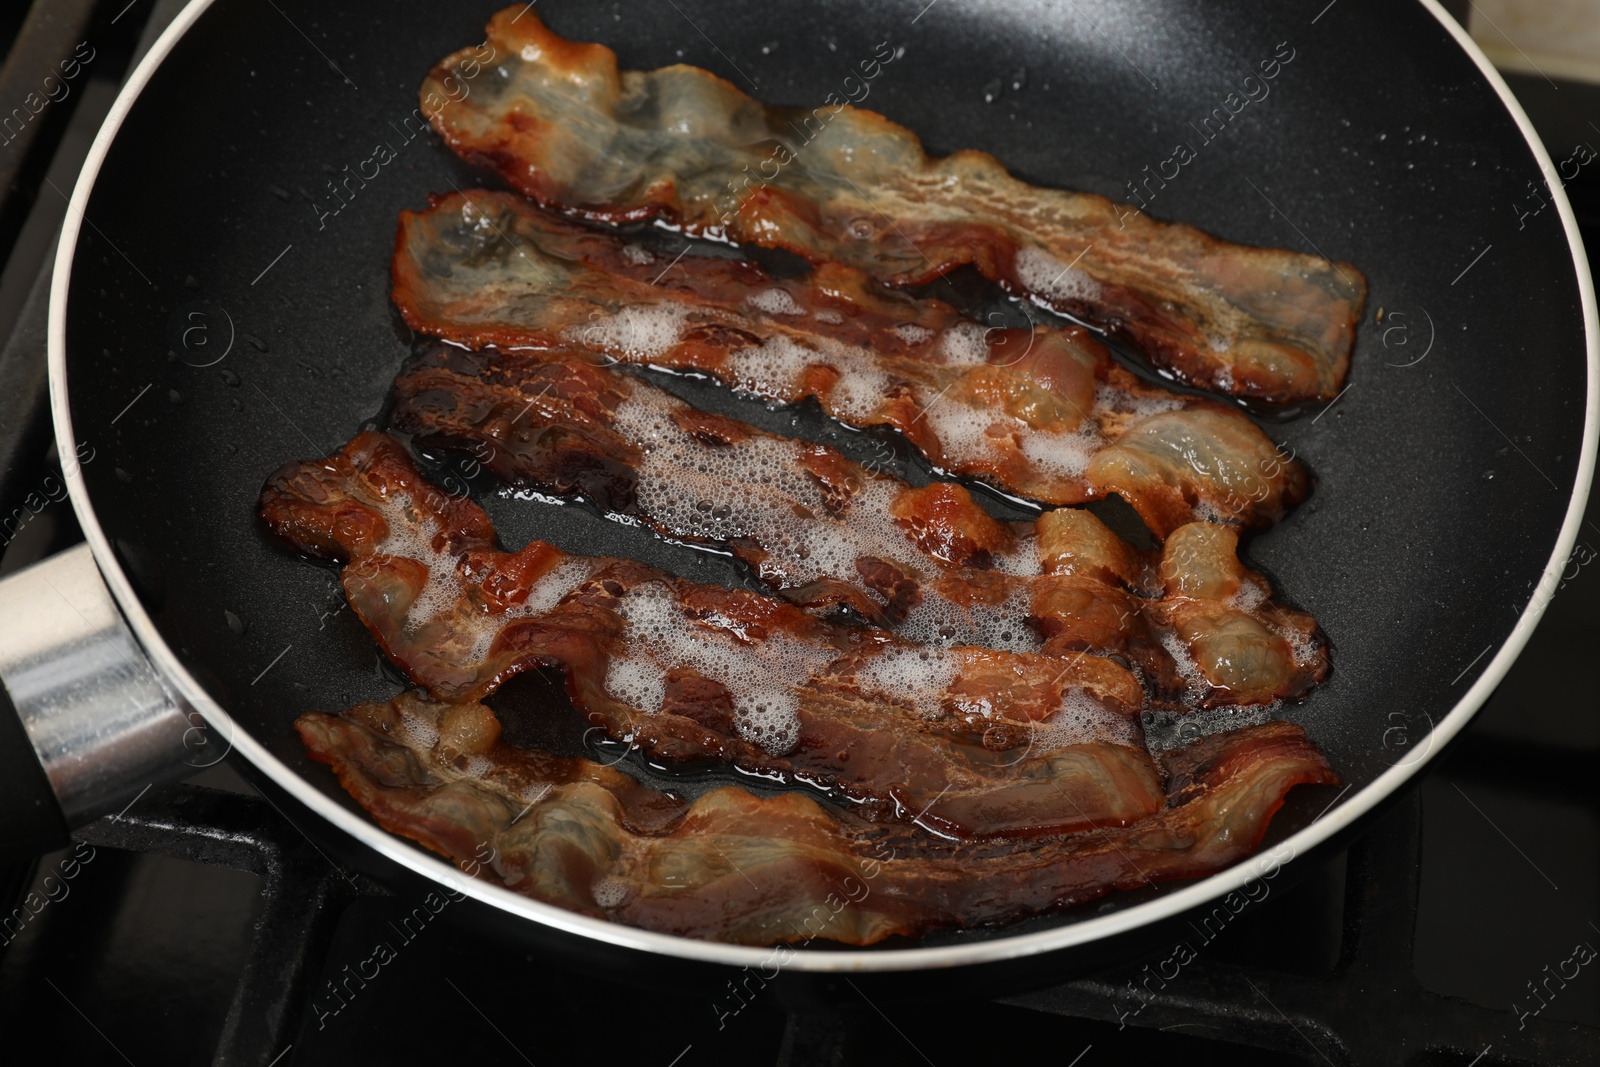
pixel 731 866
pixel 560 122
pixel 969 741
pixel 1228 640
pixel 929 562
pixel 1045 414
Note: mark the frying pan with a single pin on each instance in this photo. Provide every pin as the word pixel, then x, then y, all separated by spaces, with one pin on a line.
pixel 214 316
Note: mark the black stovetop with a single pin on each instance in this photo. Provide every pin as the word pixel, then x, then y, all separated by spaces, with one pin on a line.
pixel 201 928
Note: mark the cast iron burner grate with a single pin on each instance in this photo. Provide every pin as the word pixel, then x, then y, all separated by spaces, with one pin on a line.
pixel 1369 1009
pixel 302 896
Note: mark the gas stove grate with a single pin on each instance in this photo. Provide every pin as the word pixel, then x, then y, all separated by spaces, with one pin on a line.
pixel 302 896
pixel 1369 1009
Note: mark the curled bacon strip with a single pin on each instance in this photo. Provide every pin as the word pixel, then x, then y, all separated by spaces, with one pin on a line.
pixel 972 741
pixel 1045 414
pixel 1244 648
pixel 731 866
pixel 1230 642
pixel 811 523
pixel 557 120
pixel 823 530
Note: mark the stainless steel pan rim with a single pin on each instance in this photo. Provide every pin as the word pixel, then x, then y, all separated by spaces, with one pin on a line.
pixel 1346 810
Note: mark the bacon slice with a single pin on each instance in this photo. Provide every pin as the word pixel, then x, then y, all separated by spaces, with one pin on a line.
pixel 1045 414
pixel 973 741
pixel 731 866
pixel 822 530
pixel 812 524
pixel 557 120
pixel 1243 648
pixel 1230 642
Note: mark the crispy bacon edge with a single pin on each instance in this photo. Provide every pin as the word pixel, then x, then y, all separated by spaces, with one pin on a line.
pixel 763 870
pixel 545 420
pixel 1193 458
pixel 1273 325
pixel 983 762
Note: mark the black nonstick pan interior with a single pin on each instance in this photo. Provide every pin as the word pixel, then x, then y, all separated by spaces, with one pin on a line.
pixel 225 318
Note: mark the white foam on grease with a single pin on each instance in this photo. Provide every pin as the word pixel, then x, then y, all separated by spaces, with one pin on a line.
pixel 1249 596
pixel 1110 398
pixel 771 369
pixel 832 318
pixel 638 255
pixel 859 392
pixel 412 535
pixel 964 435
pixel 1187 668
pixel 608 893
pixel 1022 561
pixel 763 679
pixel 549 589
pixel 533 792
pixel 1004 626
pixel 638 683
pixel 774 301
pixel 912 334
pixel 1065 455
pixel 962 429
pixel 965 344
pixel 638 333
pixel 1301 646
pixel 417 732
pixel 917 675
pixel 1046 276
pixel 749 490
pixel 1080 720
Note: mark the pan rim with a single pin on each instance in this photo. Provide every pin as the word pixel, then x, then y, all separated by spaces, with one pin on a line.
pixel 1344 811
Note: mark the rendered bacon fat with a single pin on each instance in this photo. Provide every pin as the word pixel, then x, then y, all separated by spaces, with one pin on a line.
pixel 731 866
pixel 1045 414
pixel 558 121
pixel 973 741
pixel 929 562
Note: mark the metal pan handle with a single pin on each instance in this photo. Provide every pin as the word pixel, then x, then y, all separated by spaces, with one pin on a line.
pixel 86 723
